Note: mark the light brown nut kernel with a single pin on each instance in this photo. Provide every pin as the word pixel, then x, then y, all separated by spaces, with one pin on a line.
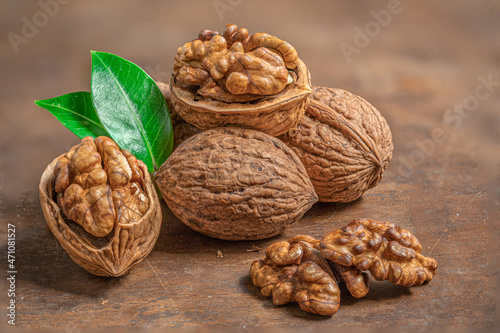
pixel 295 271
pixel 344 143
pixel 235 183
pixel 387 251
pixel 109 194
pixel 357 282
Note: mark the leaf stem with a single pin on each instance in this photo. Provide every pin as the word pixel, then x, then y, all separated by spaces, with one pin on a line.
pixel 157 189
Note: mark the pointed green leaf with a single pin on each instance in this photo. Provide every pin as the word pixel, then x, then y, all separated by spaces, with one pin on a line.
pixel 76 112
pixel 132 108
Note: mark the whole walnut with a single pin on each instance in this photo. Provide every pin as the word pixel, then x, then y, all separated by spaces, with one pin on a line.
pixel 100 204
pixel 344 143
pixel 235 183
pixel 253 81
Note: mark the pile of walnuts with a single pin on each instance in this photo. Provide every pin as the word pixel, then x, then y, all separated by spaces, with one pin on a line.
pixel 257 146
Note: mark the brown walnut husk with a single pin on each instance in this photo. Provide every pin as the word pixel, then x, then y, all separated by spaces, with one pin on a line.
pixel 100 204
pixel 383 248
pixel 253 81
pixel 295 271
pixel 235 183
pixel 344 143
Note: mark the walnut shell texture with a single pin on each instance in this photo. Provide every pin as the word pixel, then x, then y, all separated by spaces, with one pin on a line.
pixel 129 242
pixel 236 184
pixel 344 143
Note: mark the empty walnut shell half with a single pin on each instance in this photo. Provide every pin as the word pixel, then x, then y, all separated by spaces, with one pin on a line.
pixel 236 184
pixel 253 81
pixel 101 205
pixel 344 143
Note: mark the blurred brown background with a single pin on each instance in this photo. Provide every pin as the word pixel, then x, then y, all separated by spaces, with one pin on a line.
pixel 430 67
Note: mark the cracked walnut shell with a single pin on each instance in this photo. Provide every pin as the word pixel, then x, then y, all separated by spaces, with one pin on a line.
pixel 344 143
pixel 235 183
pixel 253 81
pixel 295 271
pixel 100 204
pixel 387 251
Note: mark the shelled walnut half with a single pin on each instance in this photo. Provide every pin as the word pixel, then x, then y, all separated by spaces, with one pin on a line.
pixel 253 81
pixel 295 271
pixel 100 204
pixel 387 251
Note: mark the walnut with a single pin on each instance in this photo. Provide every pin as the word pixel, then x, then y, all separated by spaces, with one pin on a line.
pixel 383 248
pixel 344 143
pixel 253 81
pixel 182 129
pixel 295 271
pixel 357 282
pixel 109 194
pixel 235 183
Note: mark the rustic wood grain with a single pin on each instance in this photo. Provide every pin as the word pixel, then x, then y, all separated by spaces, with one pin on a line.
pixel 429 58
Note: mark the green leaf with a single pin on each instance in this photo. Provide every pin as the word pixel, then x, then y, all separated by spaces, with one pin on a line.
pixel 76 112
pixel 131 108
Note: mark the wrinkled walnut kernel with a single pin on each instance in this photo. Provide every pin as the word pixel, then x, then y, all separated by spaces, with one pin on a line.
pixel 383 248
pixel 99 185
pixel 235 67
pixel 357 282
pixel 295 271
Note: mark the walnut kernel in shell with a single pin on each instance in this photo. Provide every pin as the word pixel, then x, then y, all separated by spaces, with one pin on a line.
pixel 101 205
pixel 253 81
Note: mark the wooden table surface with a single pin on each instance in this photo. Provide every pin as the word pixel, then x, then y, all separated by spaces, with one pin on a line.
pixel 430 67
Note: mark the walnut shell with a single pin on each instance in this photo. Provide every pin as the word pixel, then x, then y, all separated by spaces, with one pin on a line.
pixel 344 143
pixel 236 184
pixel 128 243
